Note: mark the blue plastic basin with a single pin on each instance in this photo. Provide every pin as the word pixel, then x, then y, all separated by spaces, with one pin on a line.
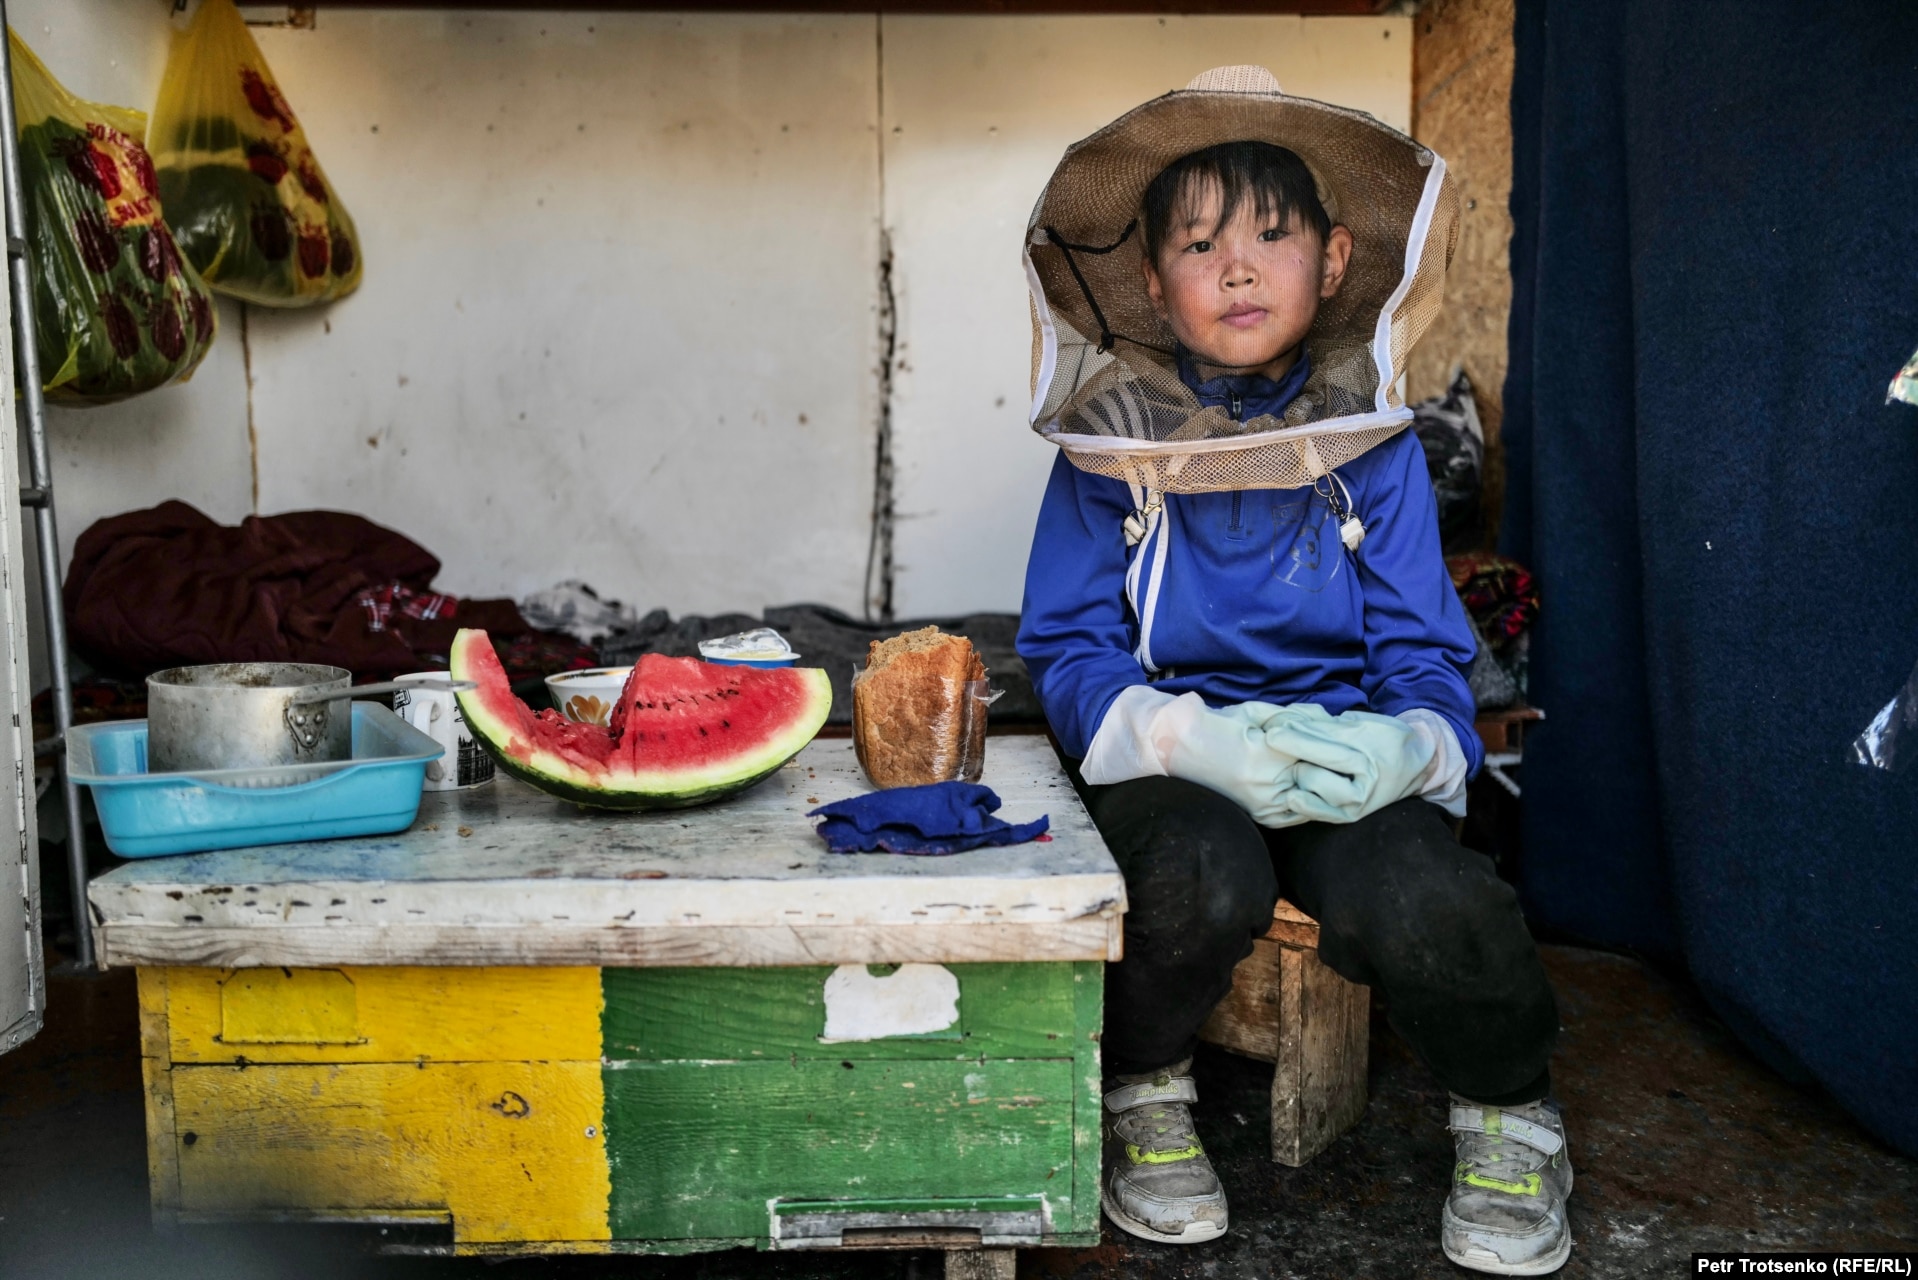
pixel 144 815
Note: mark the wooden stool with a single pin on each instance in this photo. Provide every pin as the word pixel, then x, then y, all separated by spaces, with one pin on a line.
pixel 1287 1008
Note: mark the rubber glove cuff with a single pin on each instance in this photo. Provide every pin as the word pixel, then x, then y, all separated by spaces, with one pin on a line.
pixel 1123 747
pixel 1443 782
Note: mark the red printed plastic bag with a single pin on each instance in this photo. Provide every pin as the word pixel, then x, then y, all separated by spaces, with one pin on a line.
pixel 116 310
pixel 251 206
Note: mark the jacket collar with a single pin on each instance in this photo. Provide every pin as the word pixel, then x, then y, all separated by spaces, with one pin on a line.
pixel 1248 395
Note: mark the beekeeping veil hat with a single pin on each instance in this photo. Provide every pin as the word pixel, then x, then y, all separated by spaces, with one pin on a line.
pixel 1105 382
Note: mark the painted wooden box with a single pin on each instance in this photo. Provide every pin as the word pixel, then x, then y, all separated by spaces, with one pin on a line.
pixel 574 1084
pixel 578 1107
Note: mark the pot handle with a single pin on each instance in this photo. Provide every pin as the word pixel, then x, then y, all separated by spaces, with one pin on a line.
pixel 387 686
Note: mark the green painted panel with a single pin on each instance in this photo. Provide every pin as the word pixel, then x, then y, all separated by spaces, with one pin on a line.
pixel 1088 984
pixel 665 1015
pixel 699 1149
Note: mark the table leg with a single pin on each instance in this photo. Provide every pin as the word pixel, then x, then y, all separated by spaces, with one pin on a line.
pixel 981 1264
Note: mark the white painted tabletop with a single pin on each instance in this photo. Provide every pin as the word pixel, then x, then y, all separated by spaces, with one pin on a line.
pixel 504 874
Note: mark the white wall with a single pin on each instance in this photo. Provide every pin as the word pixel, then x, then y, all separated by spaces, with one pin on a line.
pixel 614 259
pixel 978 112
pixel 617 320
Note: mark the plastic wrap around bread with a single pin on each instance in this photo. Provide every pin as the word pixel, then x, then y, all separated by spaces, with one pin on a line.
pixel 919 710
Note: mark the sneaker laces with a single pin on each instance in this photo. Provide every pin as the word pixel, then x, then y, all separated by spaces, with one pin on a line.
pixel 1168 1131
pixel 1159 1132
pixel 1501 1149
pixel 1483 1159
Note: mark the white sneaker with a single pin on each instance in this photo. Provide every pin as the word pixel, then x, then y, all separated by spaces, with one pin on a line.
pixel 1506 1213
pixel 1158 1183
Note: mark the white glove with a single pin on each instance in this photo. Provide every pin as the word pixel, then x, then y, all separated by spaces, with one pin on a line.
pixel 1443 782
pixel 1133 742
pixel 1229 751
pixel 1122 749
pixel 1149 733
pixel 1349 765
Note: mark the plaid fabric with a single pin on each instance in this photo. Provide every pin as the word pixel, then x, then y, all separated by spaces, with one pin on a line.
pixel 1501 595
pixel 379 603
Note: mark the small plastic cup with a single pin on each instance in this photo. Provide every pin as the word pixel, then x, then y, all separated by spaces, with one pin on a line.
pixel 760 647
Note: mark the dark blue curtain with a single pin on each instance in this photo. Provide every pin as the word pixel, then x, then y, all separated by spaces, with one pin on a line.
pixel 1715 276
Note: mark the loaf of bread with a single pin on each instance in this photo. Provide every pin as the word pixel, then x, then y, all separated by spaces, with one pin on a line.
pixel 917 713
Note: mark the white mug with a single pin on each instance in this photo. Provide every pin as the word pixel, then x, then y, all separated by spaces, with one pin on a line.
pixel 437 714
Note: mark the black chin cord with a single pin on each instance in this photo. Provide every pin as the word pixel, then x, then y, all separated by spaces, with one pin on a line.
pixel 1066 249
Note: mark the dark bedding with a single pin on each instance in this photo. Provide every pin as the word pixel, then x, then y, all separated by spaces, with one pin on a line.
pixel 170 586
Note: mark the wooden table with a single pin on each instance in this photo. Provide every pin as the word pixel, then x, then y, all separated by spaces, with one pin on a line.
pixel 560 1030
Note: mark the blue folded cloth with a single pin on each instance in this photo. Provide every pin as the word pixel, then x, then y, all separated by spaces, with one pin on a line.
pixel 946 817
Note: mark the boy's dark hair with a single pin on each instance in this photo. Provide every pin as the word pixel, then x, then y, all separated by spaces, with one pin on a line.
pixel 1276 179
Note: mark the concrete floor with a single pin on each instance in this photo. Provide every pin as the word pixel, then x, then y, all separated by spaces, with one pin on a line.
pixel 1682 1142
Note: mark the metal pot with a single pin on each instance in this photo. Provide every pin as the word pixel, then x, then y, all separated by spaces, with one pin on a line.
pixel 242 715
pixel 255 715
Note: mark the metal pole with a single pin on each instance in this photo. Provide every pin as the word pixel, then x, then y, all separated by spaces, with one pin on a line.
pixel 40 471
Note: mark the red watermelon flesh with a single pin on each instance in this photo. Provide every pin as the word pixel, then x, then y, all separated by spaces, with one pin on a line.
pixel 684 732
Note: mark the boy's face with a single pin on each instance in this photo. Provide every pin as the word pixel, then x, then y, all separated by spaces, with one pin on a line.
pixel 1243 296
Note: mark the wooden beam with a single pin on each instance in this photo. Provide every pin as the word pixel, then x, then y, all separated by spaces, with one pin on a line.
pixel 1005 8
pixel 504 875
pixel 1096 937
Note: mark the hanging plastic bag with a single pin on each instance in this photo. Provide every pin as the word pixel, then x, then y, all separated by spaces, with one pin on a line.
pixel 247 199
pixel 1887 741
pixel 1905 385
pixel 116 310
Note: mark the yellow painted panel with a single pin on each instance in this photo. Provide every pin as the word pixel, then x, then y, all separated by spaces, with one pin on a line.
pixel 153 1013
pixel 512 1150
pixel 505 1014
pixel 289 1006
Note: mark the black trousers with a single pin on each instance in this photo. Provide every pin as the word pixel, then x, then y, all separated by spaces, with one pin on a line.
pixel 1401 905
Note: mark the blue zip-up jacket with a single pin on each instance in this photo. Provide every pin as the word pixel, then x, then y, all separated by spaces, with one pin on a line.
pixel 1247 595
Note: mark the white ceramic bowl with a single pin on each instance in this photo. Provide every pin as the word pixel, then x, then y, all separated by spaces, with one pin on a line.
pixel 588 696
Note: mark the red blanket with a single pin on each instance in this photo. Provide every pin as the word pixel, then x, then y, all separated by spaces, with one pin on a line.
pixel 170 587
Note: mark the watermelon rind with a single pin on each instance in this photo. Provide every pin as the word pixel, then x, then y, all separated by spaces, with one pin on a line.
pixel 628 790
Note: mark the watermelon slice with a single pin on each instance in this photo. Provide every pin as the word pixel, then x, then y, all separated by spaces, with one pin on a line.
pixel 684 733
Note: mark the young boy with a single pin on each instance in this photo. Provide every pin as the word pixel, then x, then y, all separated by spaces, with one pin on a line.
pixel 1264 687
